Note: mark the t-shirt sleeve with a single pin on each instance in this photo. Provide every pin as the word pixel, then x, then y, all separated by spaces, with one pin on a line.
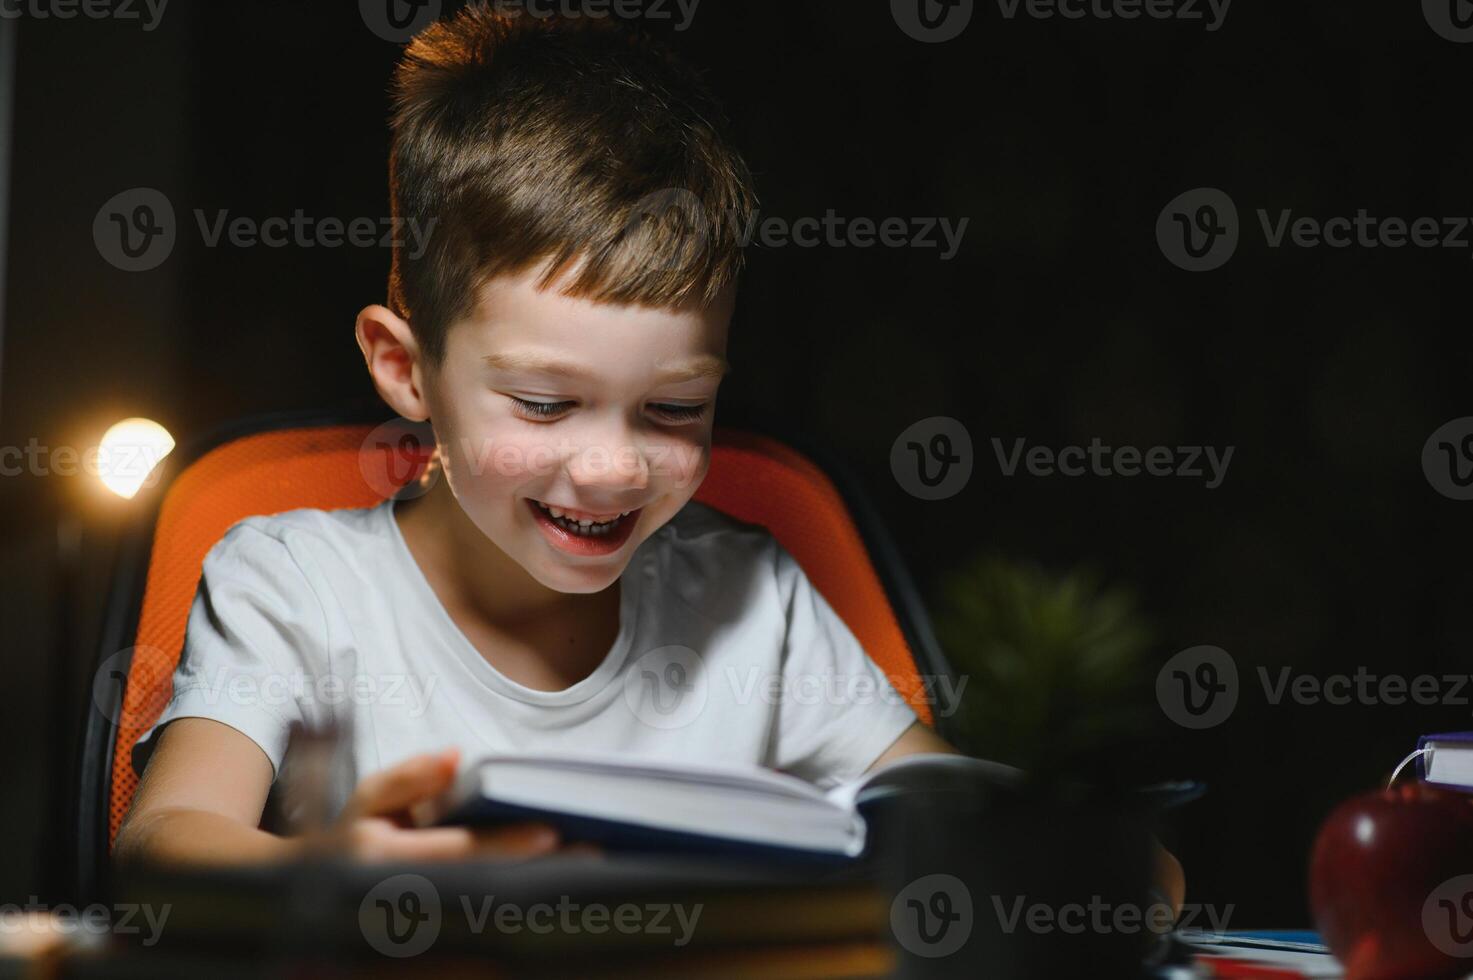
pixel 254 630
pixel 838 711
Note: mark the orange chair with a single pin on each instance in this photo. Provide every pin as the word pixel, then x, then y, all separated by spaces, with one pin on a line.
pixel 272 464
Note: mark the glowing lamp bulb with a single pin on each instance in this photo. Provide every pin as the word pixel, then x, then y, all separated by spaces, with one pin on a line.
pixel 129 451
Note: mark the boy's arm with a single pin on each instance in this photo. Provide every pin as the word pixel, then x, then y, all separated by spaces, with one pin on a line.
pixel 1169 877
pixel 917 738
pixel 200 799
pixel 205 787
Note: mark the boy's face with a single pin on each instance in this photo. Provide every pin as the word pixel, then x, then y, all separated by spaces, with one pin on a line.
pixel 546 401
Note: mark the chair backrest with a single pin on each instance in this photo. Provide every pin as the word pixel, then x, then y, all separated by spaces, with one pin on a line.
pixel 753 478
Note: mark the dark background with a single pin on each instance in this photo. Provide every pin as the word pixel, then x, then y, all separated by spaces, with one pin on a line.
pixel 1325 549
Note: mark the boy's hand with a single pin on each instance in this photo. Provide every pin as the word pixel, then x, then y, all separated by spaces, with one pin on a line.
pixel 375 824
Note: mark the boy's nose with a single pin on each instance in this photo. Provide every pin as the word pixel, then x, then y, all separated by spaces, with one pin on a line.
pixel 613 464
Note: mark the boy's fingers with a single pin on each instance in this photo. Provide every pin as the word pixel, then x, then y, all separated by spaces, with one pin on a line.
pixel 410 781
pixel 517 840
pixel 450 843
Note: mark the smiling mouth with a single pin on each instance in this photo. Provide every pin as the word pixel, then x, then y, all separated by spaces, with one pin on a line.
pixel 583 526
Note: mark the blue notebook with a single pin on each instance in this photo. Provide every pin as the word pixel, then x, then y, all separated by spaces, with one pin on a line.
pixel 651 805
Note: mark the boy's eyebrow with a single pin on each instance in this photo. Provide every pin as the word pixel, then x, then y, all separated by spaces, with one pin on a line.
pixel 702 366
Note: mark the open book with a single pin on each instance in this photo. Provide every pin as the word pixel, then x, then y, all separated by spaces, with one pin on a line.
pixel 654 805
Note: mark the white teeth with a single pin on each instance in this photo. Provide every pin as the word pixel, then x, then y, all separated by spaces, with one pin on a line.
pixel 583 526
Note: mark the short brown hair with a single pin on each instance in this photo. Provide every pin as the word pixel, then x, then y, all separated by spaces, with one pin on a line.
pixel 530 139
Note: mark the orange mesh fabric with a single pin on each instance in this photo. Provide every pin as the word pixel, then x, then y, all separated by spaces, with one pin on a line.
pixel 752 478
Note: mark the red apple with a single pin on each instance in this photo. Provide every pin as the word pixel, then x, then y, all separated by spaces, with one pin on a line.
pixel 1391 883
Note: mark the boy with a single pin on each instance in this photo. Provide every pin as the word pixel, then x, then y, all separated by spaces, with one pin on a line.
pixel 567 354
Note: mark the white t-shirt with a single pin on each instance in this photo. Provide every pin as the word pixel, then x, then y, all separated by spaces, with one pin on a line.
pixel 725 653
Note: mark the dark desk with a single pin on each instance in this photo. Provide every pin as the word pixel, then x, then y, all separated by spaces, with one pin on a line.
pixel 933 898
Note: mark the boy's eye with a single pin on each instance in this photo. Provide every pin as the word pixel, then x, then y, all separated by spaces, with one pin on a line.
pixel 539 410
pixel 680 413
pixel 548 410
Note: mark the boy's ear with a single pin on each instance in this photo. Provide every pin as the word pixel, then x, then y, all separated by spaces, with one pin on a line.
pixel 393 359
